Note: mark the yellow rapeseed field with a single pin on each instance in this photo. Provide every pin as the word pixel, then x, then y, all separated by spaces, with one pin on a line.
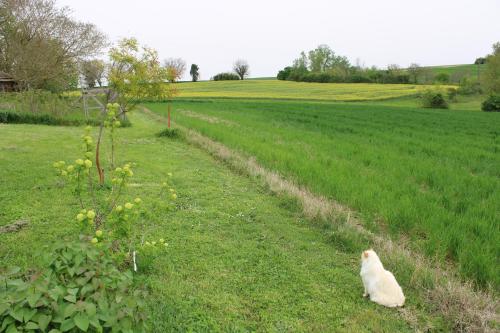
pixel 276 89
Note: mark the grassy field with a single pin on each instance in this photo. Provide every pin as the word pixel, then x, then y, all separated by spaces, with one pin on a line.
pixel 429 176
pixel 239 259
pixel 458 71
pixel 462 103
pixel 275 89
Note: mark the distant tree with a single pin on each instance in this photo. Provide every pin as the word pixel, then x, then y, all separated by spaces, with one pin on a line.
pixel 415 71
pixel 480 61
pixel 194 72
pixel 225 77
pixel 284 74
pixel 491 77
pixel 41 44
pixel 302 63
pixel 241 68
pixel 321 58
pixel 93 72
pixel 175 68
pixel 427 75
pixel 458 75
pixel 393 68
pixel 442 78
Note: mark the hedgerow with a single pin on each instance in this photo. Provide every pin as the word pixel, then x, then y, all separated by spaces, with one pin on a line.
pixel 13 117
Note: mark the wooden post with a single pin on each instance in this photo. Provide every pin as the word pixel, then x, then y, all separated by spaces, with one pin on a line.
pixel 169 108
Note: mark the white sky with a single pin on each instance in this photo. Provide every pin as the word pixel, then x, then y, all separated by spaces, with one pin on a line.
pixel 269 34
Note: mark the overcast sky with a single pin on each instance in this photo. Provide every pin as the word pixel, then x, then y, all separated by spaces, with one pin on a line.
pixel 269 34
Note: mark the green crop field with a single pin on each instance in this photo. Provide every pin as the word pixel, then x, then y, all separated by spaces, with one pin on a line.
pixel 428 176
pixel 261 89
pixel 238 259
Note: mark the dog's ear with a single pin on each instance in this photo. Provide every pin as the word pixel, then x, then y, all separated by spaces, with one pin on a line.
pixel 365 254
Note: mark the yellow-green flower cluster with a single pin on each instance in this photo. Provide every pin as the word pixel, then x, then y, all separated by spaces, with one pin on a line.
pixel 160 243
pixel 86 216
pixel 124 210
pixel 165 186
pixel 122 173
pixel 60 168
pixel 98 236
pixel 87 139
pixel 64 170
pixel 111 119
pixel 83 164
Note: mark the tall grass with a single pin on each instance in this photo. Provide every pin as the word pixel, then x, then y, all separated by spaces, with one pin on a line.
pixel 46 108
pixel 430 176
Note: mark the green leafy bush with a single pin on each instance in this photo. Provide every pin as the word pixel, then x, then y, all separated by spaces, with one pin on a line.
pixel 284 74
pixel 442 78
pixel 469 87
pixel 491 104
pixel 169 133
pixel 433 99
pixel 79 290
pixel 225 77
pixel 12 117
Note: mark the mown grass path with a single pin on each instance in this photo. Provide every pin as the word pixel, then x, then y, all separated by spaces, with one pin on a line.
pixel 239 259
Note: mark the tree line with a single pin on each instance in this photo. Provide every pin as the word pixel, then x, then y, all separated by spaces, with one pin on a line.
pixel 42 47
pixel 324 65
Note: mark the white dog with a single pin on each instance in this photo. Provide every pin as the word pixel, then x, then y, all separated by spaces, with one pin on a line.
pixel 380 285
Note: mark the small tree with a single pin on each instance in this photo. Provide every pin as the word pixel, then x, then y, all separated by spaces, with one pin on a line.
pixel 175 68
pixel 93 71
pixel 415 70
pixel 241 68
pixel 194 72
pixel 480 61
pixel 491 77
pixel 135 75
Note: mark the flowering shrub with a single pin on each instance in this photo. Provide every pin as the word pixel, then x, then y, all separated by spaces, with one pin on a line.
pixel 105 213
